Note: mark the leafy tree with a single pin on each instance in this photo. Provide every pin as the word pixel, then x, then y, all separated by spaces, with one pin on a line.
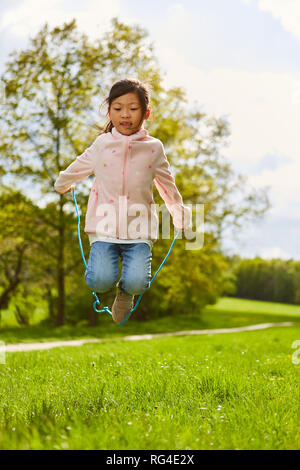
pixel 283 281
pixel 295 269
pixel 15 219
pixel 49 90
pixel 273 280
pixel 26 252
pixel 253 279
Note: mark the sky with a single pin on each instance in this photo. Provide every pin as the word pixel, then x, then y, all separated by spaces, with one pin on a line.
pixel 238 59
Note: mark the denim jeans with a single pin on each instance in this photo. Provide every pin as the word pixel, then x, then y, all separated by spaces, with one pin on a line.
pixel 103 267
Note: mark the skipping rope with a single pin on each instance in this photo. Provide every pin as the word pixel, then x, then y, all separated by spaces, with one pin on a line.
pixel 97 301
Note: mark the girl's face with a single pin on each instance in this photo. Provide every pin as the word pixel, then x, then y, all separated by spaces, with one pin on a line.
pixel 126 113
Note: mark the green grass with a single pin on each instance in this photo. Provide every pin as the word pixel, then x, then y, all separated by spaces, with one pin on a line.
pixel 230 391
pixel 228 312
pixel 235 305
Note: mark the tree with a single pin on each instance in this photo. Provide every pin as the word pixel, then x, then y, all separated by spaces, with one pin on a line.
pixel 295 269
pixel 14 245
pixel 50 83
pixel 24 252
pixel 273 280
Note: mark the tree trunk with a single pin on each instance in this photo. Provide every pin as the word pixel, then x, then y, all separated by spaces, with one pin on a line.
pixel 13 281
pixel 51 303
pixel 6 296
pixel 93 318
pixel 60 316
pixel 21 319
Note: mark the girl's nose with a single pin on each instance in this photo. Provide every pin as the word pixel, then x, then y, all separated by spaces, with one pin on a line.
pixel 125 114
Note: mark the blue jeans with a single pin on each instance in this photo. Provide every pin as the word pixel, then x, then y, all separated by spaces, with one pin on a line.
pixel 103 267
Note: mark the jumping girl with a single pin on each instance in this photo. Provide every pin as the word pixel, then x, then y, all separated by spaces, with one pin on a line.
pixel 125 160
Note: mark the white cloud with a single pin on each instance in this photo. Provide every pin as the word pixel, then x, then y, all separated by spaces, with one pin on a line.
pixel 27 18
pixel 262 111
pixel 178 18
pixel 263 115
pixel 286 11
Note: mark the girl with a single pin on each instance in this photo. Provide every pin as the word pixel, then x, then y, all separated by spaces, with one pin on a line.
pixel 125 160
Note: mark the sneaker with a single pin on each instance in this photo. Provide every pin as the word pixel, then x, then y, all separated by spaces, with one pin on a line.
pixel 122 305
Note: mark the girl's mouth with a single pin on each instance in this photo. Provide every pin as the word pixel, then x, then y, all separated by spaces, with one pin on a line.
pixel 126 124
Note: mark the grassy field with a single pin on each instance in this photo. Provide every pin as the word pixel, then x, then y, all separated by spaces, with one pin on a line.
pixel 226 391
pixel 232 391
pixel 227 313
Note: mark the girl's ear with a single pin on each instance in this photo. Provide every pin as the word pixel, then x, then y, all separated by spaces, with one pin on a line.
pixel 147 113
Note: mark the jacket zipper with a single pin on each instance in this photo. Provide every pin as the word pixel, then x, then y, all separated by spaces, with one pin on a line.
pixel 122 202
pixel 124 167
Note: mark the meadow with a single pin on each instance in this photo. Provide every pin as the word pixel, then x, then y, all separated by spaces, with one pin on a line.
pixel 226 313
pixel 223 391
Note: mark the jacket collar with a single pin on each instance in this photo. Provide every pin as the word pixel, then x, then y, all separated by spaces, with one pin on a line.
pixel 139 135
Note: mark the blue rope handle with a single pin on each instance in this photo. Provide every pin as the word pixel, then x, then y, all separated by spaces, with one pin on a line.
pixel 97 301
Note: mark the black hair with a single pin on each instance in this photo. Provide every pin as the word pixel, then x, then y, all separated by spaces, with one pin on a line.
pixel 122 87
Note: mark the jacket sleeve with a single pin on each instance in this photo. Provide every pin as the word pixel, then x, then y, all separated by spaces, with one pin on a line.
pixel 82 167
pixel 165 183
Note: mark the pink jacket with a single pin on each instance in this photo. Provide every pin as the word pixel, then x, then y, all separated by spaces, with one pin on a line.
pixel 121 201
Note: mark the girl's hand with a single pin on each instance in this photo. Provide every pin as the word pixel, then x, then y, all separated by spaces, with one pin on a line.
pixel 71 189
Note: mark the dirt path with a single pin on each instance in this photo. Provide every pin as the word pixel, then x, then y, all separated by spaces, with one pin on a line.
pixel 79 342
